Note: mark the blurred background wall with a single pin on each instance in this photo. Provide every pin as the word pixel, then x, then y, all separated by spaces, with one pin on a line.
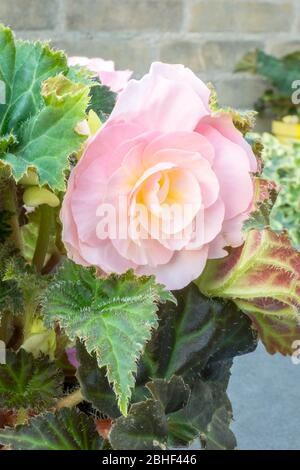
pixel 209 36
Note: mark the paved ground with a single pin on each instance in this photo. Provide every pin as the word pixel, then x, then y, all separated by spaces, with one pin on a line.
pixel 265 395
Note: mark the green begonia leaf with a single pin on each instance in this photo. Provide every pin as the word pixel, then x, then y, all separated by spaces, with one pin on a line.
pixel 41 110
pixel 28 382
pixel 67 429
pixel 113 316
pixel 145 428
pixel 47 139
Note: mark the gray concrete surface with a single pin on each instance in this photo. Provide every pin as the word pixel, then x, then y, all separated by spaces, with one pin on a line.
pixel 265 395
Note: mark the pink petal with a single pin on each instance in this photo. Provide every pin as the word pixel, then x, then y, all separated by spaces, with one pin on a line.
pixel 72 358
pixel 180 73
pixel 187 141
pixel 213 220
pixel 209 224
pixel 116 80
pixel 105 256
pixel 147 252
pixel 100 65
pixel 184 267
pixel 159 102
pixel 198 166
pixel 105 147
pixel 231 235
pixel 231 165
pixel 69 228
pixel 225 126
pixel 82 61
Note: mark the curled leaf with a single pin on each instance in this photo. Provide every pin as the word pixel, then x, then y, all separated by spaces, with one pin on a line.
pixel 263 279
pixel 36 196
pixel 40 339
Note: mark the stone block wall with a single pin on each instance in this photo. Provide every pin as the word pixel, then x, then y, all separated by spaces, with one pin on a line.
pixel 209 36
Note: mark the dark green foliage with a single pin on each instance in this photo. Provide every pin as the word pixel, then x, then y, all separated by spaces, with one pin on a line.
pixel 102 101
pixel 26 382
pixel 145 428
pixel 5 228
pixel 196 333
pixel 11 296
pixel 67 429
pixel 196 339
pixel 281 74
pixel 94 383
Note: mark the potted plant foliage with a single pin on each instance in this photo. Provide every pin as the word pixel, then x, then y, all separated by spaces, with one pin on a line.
pixel 282 165
pixel 113 342
pixel 281 100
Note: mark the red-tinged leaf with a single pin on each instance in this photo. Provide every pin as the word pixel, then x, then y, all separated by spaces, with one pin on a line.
pixel 7 418
pixel 276 332
pixel 263 278
pixel 265 196
pixel 103 427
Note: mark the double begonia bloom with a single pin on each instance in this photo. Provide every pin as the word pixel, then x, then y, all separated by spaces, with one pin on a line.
pixel 161 147
pixel 116 80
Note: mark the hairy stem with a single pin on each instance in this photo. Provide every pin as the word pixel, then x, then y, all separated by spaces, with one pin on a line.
pixel 22 416
pixel 28 319
pixel 46 220
pixel 11 205
pixel 52 262
pixel 70 400
pixel 6 328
